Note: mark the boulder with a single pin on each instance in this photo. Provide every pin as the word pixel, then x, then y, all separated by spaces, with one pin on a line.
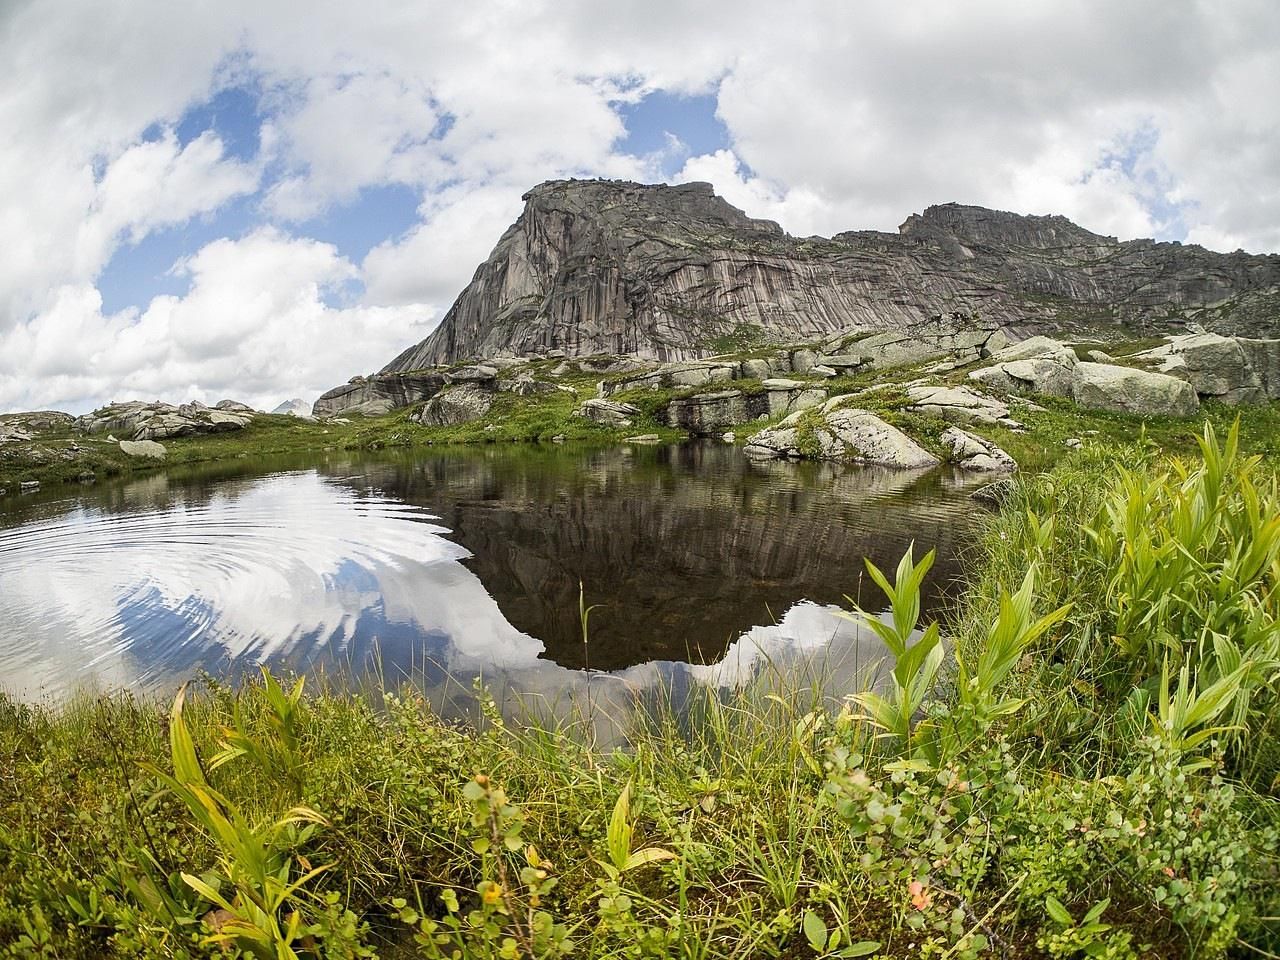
pixel 1102 386
pixel 463 403
pixel 1230 369
pixel 970 452
pixel 843 434
pixel 233 406
pixel 610 413
pixel 844 363
pixel 957 404
pixel 143 448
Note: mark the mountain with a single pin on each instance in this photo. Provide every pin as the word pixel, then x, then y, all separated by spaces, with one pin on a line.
pixel 298 408
pixel 675 272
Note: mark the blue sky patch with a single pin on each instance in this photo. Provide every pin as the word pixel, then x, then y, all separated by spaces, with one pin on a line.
pixel 692 120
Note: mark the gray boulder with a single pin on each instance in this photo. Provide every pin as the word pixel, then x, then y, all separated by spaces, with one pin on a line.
pixel 1101 386
pixel 610 413
pixel 842 434
pixel 143 448
pixel 970 452
pixel 461 404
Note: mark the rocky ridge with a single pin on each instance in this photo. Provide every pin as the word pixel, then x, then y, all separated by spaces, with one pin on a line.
pixel 676 273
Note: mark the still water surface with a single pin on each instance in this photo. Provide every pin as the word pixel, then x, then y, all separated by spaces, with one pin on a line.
pixel 449 564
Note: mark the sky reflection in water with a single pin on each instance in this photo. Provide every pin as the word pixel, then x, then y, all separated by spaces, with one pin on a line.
pixel 456 564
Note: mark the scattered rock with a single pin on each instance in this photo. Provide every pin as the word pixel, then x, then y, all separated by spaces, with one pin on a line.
pixel 611 413
pixel 1031 347
pixel 464 403
pixel 143 448
pixel 1073 443
pixel 971 452
pixel 848 435
pixel 819 370
pixel 788 396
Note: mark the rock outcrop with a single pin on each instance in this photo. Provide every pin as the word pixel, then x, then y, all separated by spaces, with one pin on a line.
pixel 1230 369
pixel 843 434
pixel 137 420
pixel 371 396
pixel 708 413
pixel 20 427
pixel 676 273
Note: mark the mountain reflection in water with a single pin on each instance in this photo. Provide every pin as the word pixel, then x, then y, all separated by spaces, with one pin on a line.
pixel 704 566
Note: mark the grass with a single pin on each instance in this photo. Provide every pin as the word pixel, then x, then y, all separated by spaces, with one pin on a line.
pixel 1077 764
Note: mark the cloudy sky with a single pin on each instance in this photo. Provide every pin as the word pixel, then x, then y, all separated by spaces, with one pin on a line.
pixel 242 199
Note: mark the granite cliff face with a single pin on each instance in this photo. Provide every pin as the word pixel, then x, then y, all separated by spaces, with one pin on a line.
pixel 675 272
